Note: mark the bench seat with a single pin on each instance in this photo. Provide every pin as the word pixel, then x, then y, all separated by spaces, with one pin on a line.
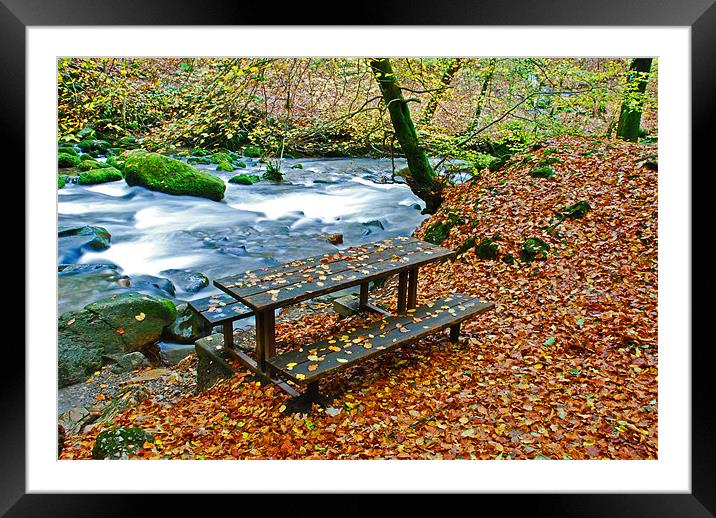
pixel 309 364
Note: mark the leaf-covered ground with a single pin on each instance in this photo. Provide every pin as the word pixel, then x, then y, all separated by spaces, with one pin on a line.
pixel 564 367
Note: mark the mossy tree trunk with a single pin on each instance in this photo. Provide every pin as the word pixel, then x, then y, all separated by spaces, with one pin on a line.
pixel 427 115
pixel 421 178
pixel 489 72
pixel 630 116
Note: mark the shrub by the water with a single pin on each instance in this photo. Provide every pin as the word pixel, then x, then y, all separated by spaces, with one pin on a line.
pixel 61 182
pixel 253 151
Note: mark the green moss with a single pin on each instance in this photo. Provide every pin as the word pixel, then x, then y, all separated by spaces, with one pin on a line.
pixel 161 173
pixel 534 248
pixel 486 249
pixel 85 156
pixel 67 150
pixel 576 211
pixel 240 165
pixel 102 175
pixel 467 245
pixel 484 161
pixel 171 307
pixel 116 162
pixel 508 258
pixel 61 182
pixel 118 443
pixel 253 151
pixel 542 172
pixel 245 179
pixel 296 166
pixel 438 231
pixel 67 160
pixel 127 141
pixel 225 166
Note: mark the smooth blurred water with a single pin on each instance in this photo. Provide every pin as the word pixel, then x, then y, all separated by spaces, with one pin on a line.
pixel 254 226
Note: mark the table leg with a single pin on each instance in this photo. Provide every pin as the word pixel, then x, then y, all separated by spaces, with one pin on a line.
pixel 229 335
pixel 265 337
pixel 412 288
pixel 402 289
pixel 363 296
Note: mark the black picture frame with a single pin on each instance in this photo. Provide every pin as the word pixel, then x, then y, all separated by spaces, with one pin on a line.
pixel 700 15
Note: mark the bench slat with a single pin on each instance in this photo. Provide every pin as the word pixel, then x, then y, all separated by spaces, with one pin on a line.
pixel 396 331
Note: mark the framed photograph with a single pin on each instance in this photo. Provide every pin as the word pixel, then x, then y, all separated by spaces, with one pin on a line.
pixel 314 172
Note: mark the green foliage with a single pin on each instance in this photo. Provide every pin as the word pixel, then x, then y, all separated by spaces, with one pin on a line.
pixel 484 161
pixel 93 145
pixel 218 158
pixel 198 160
pixel 200 151
pixel 543 172
pixel 534 248
pixel 102 175
pixel 253 152
pixel 61 182
pixel 245 179
pixel 466 245
pixel 273 173
pixel 67 160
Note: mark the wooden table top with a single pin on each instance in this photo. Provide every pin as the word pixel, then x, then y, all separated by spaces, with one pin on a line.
pixel 302 279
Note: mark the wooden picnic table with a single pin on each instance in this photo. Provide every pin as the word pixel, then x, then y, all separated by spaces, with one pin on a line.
pixel 267 289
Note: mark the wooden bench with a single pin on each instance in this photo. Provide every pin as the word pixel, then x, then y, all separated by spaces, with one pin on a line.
pixel 223 310
pixel 307 365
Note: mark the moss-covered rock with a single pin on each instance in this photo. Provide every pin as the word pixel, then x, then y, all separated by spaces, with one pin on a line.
pixel 85 156
pixel 187 327
pixel 67 160
pixel 245 179
pixel 121 323
pixel 253 151
pixel 116 161
pixel 88 165
pixel 67 150
pixel 218 158
pixel 93 145
pixel 225 166
pixel 534 248
pixel 128 142
pixel 296 166
pixel 119 443
pixel 102 175
pixel 240 165
pixel 61 182
pixel 542 172
pixel 164 174
pixel 198 160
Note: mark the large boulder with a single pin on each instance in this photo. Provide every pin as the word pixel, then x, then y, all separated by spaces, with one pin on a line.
pixel 121 323
pixel 161 173
pixel 187 327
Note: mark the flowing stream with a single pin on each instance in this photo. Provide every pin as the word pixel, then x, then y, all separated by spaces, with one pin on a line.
pixel 159 241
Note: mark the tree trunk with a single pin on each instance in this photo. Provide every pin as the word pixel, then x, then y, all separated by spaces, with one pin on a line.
pixel 483 94
pixel 630 116
pixel 447 78
pixel 421 177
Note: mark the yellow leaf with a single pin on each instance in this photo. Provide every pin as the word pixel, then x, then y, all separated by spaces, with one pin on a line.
pixel 300 376
pixel 140 317
pixel 147 445
pixel 538 366
pixel 341 360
